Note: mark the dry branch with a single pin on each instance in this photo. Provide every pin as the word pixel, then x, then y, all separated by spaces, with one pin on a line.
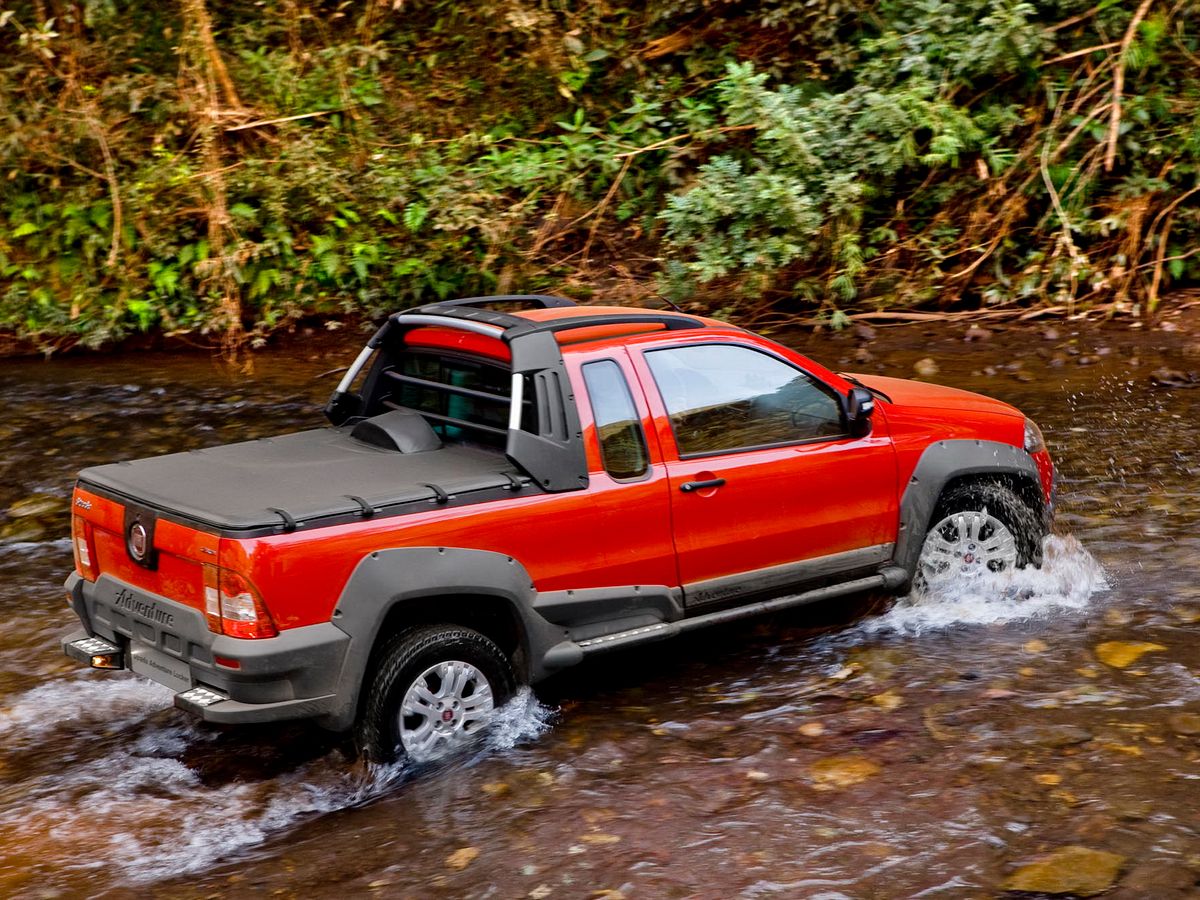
pixel 1114 124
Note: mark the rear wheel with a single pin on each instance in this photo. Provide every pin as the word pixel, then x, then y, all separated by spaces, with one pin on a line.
pixel 977 529
pixel 434 691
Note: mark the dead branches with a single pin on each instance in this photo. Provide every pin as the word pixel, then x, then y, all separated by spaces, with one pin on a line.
pixel 1114 122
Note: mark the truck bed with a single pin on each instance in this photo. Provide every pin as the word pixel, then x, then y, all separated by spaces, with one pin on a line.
pixel 312 476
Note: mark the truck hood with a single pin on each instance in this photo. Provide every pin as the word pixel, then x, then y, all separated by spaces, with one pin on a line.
pixel 312 477
pixel 919 394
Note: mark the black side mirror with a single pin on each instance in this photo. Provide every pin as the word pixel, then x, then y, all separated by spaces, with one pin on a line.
pixel 860 403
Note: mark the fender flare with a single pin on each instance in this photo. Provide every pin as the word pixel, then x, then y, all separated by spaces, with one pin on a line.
pixel 946 461
pixel 385 579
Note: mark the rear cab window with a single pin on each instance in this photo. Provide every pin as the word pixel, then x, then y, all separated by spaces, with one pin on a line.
pixel 464 398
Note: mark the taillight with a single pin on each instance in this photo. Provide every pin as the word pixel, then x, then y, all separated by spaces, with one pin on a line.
pixel 84 544
pixel 232 606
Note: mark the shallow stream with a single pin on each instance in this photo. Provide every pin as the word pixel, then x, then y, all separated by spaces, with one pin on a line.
pixel 854 750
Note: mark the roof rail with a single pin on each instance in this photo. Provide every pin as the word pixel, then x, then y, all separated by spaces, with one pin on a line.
pixel 537 301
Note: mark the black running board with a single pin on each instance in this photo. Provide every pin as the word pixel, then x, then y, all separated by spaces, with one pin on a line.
pixel 570 652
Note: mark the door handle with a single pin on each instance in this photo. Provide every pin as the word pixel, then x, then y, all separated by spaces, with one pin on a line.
pixel 688 486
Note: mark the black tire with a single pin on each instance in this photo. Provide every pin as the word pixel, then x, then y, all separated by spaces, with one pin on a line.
pixel 1025 525
pixel 401 664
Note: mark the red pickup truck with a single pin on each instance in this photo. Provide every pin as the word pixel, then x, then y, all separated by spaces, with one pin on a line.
pixel 503 493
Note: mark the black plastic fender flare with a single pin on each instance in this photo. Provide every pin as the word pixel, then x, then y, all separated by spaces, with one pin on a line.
pixel 384 579
pixel 946 461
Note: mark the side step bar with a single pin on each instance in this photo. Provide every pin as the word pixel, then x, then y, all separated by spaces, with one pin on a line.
pixel 570 652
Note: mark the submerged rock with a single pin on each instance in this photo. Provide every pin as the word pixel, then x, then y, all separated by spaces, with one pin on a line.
pixel 1053 735
pixel 836 772
pixel 1185 723
pixel 1120 654
pixel 1068 870
pixel 37 505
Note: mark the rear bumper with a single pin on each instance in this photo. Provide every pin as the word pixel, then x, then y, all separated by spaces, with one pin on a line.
pixel 291 676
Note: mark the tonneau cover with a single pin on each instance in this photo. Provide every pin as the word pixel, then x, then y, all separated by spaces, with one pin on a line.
pixel 310 475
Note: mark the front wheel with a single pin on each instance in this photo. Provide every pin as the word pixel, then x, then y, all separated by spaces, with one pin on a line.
pixel 434 690
pixel 977 529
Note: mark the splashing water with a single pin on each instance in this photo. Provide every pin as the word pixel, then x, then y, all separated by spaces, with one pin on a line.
pixel 160 816
pixel 1068 578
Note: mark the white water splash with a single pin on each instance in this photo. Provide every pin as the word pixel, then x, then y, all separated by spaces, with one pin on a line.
pixel 160 818
pixel 89 702
pixel 1068 578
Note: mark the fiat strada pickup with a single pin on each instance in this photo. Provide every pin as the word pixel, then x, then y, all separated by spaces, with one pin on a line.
pixel 504 492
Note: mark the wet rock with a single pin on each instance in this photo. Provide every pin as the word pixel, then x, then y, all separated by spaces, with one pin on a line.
pixel 1174 378
pixel 462 857
pixel 926 367
pixel 877 662
pixel 1069 870
pixel 888 701
pixel 22 530
pixel 864 332
pixel 836 772
pixel 1120 654
pixel 812 729
pixel 1052 735
pixel 1187 724
pixel 975 333
pixel 1050 334
pixel 863 355
pixel 1158 879
pixel 36 506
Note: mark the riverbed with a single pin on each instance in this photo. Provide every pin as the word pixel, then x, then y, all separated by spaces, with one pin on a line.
pixel 926 747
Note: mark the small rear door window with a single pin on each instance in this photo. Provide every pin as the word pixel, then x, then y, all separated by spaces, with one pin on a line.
pixel 618 426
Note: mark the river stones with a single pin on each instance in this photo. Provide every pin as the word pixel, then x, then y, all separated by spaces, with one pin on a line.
pixel 1052 735
pixel 1120 654
pixel 36 506
pixel 1069 870
pixel 1185 723
pixel 835 772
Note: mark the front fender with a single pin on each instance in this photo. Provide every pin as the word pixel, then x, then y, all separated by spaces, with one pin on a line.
pixel 946 461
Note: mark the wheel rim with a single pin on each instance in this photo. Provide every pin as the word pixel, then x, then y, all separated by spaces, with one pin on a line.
pixel 967 542
pixel 445 705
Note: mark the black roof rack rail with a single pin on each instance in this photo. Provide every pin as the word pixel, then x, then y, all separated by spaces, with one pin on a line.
pixel 672 322
pixel 537 301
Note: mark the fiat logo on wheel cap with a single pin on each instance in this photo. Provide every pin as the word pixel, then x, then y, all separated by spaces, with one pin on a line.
pixel 137 541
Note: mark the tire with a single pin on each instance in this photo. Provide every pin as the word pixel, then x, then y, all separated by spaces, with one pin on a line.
pixel 434 690
pixel 978 528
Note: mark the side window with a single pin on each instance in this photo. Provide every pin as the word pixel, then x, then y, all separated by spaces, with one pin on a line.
pixel 724 398
pixel 618 427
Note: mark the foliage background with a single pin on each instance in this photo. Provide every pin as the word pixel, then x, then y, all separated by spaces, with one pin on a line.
pixel 224 170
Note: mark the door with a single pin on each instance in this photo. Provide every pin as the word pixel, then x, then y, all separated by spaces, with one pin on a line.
pixel 767 487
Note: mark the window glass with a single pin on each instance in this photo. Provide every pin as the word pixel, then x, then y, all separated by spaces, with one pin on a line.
pixel 622 444
pixel 426 384
pixel 728 398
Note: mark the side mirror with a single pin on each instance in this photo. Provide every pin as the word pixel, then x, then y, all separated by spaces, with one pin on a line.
pixel 860 403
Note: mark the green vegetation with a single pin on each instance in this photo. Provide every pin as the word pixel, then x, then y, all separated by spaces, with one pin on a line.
pixel 227 169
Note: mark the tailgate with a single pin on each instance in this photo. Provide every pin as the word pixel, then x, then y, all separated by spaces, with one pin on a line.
pixel 154 568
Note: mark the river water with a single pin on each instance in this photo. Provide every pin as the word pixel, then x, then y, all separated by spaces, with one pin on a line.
pixel 927 747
